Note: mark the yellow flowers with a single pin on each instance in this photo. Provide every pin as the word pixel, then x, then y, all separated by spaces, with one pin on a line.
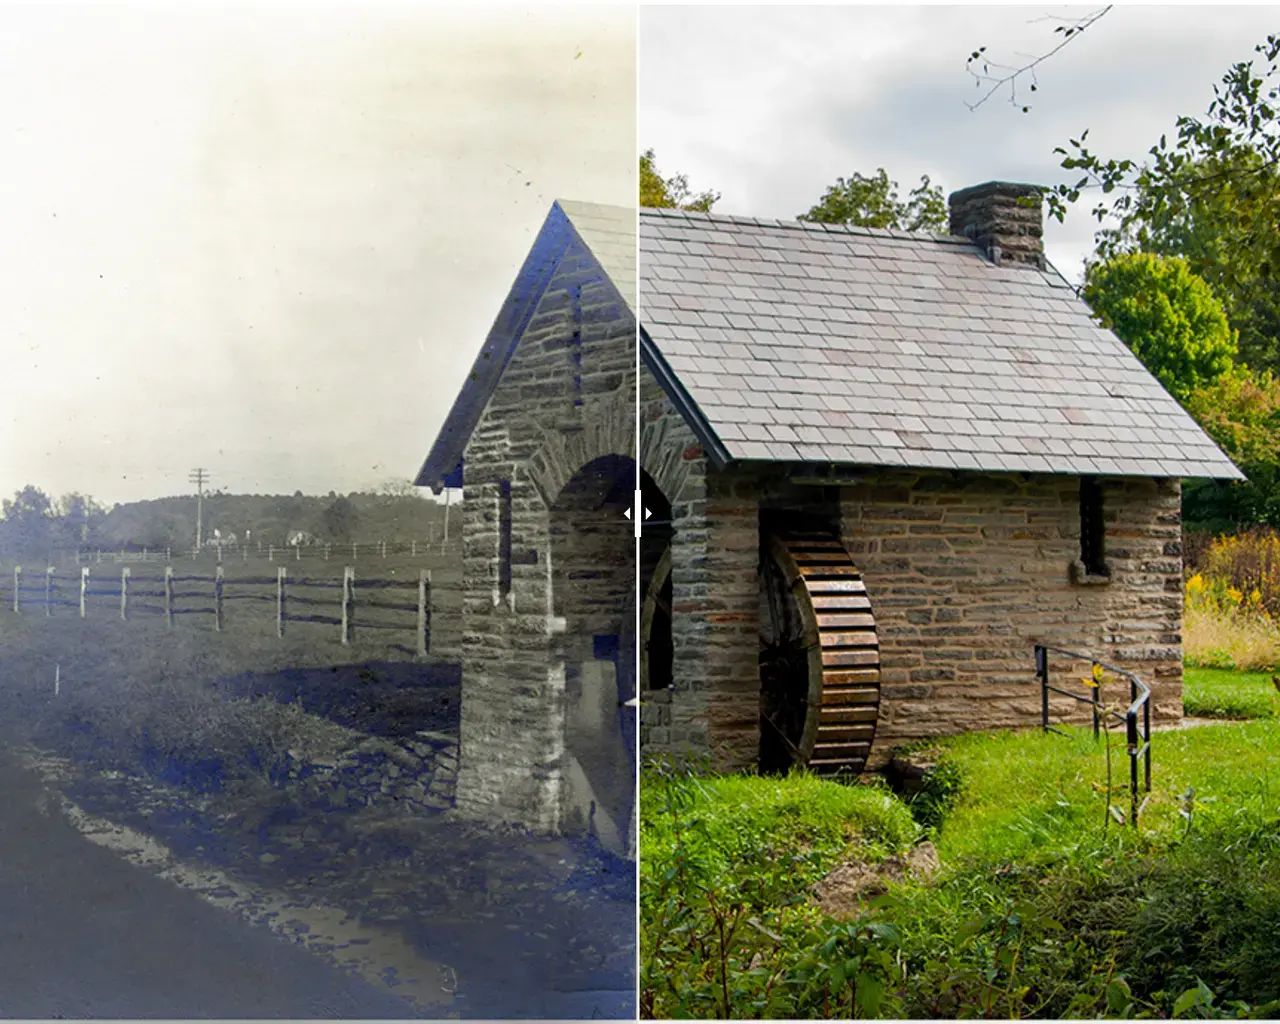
pixel 1097 678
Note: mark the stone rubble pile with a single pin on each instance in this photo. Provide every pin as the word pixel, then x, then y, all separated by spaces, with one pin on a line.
pixel 413 775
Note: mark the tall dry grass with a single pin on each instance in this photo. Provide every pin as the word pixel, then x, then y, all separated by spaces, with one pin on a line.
pixel 1233 603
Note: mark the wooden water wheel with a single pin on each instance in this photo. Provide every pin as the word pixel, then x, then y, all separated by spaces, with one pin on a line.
pixel 819 657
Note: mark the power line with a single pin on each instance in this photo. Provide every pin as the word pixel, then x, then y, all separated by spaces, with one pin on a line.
pixel 199 477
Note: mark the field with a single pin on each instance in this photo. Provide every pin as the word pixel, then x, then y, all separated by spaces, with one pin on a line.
pixel 189 694
pixel 1030 902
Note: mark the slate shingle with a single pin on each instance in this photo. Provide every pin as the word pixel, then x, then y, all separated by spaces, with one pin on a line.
pixel 877 347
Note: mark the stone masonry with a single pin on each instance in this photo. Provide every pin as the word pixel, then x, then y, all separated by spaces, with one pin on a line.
pixel 565 399
pixel 966 572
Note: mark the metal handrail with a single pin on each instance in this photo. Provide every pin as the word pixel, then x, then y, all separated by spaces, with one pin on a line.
pixel 1140 701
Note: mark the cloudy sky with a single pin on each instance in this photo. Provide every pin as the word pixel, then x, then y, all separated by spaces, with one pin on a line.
pixel 269 241
pixel 770 105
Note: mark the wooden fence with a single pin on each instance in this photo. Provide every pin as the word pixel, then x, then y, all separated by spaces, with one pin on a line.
pixel 174 594
pixel 271 552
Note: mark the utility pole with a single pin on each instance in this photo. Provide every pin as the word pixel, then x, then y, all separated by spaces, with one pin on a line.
pixel 199 477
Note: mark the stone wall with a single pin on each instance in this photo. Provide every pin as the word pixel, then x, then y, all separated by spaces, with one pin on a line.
pixel 565 398
pixel 965 572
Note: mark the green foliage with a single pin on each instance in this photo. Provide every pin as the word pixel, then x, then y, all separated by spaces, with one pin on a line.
pixel 340 520
pixel 1167 317
pixel 1241 412
pixel 874 203
pixel 671 193
pixel 1210 692
pixel 1210 196
pixel 1037 912
pixel 727 925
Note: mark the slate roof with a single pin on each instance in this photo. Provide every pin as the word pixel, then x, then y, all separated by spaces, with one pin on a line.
pixel 813 343
pixel 609 233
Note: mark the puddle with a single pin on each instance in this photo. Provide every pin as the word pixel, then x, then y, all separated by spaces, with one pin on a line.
pixel 378 955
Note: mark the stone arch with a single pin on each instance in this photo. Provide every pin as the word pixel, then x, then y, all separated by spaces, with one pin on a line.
pixel 608 427
pixel 665 444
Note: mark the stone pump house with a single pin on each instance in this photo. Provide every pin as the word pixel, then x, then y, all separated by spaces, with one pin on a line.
pixel 883 466
pixel 542 440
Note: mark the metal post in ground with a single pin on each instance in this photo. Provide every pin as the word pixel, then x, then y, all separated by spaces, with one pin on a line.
pixel 84 588
pixel 17 589
pixel 48 591
pixel 124 594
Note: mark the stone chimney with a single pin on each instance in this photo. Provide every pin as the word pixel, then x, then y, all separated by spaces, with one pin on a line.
pixel 1005 220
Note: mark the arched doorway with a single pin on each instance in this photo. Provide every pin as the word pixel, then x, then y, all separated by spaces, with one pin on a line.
pixel 819 654
pixel 594 599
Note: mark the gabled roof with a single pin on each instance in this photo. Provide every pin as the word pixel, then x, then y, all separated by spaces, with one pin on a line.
pixel 609 234
pixel 785 341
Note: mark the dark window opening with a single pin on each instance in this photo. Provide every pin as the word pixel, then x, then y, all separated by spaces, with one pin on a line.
pixel 504 540
pixel 1092 528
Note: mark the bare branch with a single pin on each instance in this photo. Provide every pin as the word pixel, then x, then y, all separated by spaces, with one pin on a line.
pixel 1069 31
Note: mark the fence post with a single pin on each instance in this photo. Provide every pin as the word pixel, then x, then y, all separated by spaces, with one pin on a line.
pixel 424 611
pixel 413 548
pixel 48 591
pixel 384 549
pixel 124 594
pixel 353 552
pixel 271 552
pixel 168 594
pixel 348 584
pixel 297 549
pixel 219 547
pixel 84 587
pixel 168 554
pixel 280 578
pixel 217 599
pixel 326 552
pixel 17 589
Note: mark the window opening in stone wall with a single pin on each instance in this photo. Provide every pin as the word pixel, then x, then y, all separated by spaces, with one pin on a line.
pixel 1092 528
pixel 504 540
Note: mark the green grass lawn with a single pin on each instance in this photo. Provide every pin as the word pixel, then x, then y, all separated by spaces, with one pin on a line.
pixel 1043 906
pixel 1219 693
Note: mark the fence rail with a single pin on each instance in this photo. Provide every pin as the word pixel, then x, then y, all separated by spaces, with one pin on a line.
pixel 1137 742
pixel 129 588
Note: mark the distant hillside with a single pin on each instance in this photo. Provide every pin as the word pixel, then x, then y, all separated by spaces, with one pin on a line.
pixel 352 518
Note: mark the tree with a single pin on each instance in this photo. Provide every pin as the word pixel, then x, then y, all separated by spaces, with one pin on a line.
pixel 340 520
pixel 1167 316
pixel 1234 148
pixel 671 193
pixel 1208 229
pixel 1241 412
pixel 873 203
pixel 980 66
pixel 29 520
pixel 80 519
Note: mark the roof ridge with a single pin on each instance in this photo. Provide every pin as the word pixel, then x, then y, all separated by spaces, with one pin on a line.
pixel 793 224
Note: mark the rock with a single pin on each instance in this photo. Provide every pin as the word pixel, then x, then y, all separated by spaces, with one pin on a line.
pixel 846 891
pixel 268 858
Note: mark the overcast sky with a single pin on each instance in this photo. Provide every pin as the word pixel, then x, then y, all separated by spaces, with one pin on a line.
pixel 269 242
pixel 770 105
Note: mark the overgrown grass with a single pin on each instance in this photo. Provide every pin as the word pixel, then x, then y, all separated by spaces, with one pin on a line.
pixel 1215 638
pixel 136 693
pixel 725 874
pixel 1217 693
pixel 1046 905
